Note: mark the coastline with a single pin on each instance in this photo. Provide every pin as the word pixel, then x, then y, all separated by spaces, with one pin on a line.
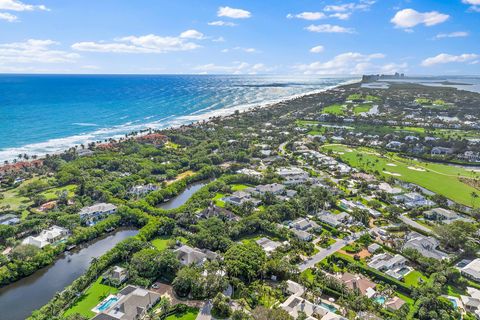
pixel 60 145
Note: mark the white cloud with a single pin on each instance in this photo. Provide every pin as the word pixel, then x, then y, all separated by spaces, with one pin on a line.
pixel 235 68
pixel 344 11
pixel 15 5
pixel 348 63
pixel 448 58
pixel 141 44
pixel 474 5
pixel 34 51
pixel 317 49
pixel 340 15
pixel 8 17
pixel 457 34
pixel 329 28
pixel 308 15
pixel 191 34
pixel 233 13
pixel 221 23
pixel 409 18
pixel 247 50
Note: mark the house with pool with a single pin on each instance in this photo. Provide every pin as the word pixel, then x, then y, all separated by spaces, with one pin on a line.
pixel 131 303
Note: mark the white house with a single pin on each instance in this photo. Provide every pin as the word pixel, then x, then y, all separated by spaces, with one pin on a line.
pixel 48 236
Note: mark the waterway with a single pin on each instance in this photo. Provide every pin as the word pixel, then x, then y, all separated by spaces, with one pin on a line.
pixel 19 299
pixel 177 201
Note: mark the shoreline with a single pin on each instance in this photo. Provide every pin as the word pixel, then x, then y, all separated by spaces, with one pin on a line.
pixel 65 143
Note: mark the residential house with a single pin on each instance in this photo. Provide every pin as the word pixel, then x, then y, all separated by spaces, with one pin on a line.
pixel 142 190
pixel 240 197
pixel 394 304
pixel 335 220
pixel 426 246
pixel 215 211
pixel 9 219
pixel 471 302
pixel 48 236
pixel 293 175
pixel 116 275
pixel 131 303
pixel 413 200
pixel 358 282
pixel 441 151
pixel 188 255
pixel 374 247
pixel 444 215
pixel 92 214
pixel 392 265
pixel 472 270
pixel 274 188
pixel 268 245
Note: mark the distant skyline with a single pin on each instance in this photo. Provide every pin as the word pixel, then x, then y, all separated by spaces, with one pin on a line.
pixel 328 37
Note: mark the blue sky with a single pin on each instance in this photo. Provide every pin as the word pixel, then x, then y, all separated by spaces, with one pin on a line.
pixel 251 36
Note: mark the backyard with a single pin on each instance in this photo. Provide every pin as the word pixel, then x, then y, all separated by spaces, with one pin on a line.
pixel 90 298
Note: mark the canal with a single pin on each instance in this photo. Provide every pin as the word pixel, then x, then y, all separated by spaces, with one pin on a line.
pixel 183 196
pixel 19 299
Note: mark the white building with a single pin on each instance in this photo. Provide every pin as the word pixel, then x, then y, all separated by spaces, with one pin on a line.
pixel 48 236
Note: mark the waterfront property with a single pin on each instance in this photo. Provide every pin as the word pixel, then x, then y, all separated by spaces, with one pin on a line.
pixel 130 303
pixel 92 214
pixel 48 236
pixel 188 255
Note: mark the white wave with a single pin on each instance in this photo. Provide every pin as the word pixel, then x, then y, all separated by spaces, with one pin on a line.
pixel 85 124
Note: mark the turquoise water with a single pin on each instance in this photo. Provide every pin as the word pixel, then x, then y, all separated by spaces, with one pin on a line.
pixel 107 304
pixel 328 307
pixel 380 300
pixel 42 114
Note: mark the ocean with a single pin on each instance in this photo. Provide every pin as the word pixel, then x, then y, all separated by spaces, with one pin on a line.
pixel 42 114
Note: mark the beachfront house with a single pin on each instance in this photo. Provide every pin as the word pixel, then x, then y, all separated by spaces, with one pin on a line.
pixel 49 236
pixel 131 303
pixel 97 212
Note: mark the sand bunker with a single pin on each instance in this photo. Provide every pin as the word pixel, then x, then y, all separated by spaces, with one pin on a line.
pixel 392 173
pixel 416 169
pixel 391 164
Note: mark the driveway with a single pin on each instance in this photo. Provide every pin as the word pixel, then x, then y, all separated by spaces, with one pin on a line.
pixel 414 224
pixel 205 312
pixel 323 253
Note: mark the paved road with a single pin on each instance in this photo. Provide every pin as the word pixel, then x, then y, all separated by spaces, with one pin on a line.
pixel 205 312
pixel 323 253
pixel 414 224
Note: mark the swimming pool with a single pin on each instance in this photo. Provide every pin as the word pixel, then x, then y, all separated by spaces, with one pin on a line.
pixel 329 307
pixel 106 304
pixel 380 300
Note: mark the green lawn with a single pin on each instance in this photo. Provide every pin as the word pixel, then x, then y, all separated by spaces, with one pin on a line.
pixel 437 177
pixel 336 109
pixel 238 187
pixel 218 200
pixel 13 200
pixel 161 243
pixel 51 194
pixel 362 108
pixel 90 298
pixel 413 277
pixel 190 314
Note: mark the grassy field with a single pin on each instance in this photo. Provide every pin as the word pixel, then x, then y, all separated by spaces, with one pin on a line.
pixel 412 278
pixel 52 194
pixel 161 243
pixel 92 296
pixel 336 109
pixel 361 108
pixel 218 199
pixel 439 178
pixel 190 314
pixel 13 200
